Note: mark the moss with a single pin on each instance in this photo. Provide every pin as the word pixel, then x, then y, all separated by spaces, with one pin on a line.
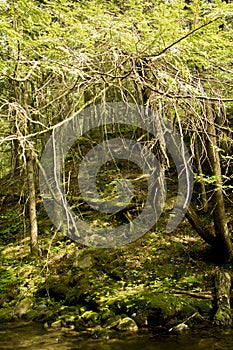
pixel 127 324
pixel 90 318
pixel 169 305
pixel 44 315
pixel 223 317
pixel 23 307
pixel 183 306
pixel 157 309
pixel 106 314
pixel 112 322
pixel 57 324
pixel 6 315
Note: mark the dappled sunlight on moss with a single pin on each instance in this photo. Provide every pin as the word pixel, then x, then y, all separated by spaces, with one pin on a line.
pixel 17 251
pixel 125 280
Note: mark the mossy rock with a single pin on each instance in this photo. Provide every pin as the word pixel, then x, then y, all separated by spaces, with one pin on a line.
pixel 173 306
pixel 90 318
pixel 57 324
pixel 112 322
pixel 23 307
pixel 157 309
pixel 69 314
pixel 40 315
pixel 127 304
pixel 127 324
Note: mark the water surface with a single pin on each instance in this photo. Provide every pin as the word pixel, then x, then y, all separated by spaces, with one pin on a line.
pixel 34 337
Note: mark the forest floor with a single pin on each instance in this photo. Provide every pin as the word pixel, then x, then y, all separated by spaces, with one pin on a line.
pixel 160 281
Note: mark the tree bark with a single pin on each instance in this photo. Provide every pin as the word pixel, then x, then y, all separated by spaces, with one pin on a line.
pixel 200 171
pixel 221 299
pixel 32 205
pixel 223 240
pixel 196 223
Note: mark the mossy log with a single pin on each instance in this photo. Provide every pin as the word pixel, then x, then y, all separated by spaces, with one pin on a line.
pixel 221 299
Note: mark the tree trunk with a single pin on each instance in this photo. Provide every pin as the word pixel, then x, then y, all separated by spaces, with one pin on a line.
pixel 221 299
pixel 223 240
pixel 32 204
pixel 196 223
pixel 14 157
pixel 200 171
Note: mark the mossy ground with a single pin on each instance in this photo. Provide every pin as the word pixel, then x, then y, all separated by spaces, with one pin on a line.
pixel 141 280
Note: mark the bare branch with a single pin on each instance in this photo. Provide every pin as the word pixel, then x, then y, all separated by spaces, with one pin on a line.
pixel 180 39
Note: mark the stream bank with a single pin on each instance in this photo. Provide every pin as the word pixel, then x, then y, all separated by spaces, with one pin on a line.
pixel 161 281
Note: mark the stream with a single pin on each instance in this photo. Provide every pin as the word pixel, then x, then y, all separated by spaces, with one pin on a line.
pixel 34 337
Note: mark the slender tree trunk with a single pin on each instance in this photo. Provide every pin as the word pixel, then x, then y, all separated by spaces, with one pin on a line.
pixel 224 244
pixel 14 157
pixel 200 171
pixel 32 204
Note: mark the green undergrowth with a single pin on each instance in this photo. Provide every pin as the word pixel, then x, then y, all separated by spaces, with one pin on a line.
pixel 146 280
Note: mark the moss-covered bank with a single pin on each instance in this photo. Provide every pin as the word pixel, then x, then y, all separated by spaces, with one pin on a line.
pixel 159 281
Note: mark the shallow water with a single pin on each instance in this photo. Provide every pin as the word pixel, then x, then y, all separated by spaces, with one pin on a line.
pixel 34 337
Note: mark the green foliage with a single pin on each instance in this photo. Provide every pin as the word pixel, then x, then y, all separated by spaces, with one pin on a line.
pixel 11 225
pixel 8 279
pixel 59 56
pixel 206 179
